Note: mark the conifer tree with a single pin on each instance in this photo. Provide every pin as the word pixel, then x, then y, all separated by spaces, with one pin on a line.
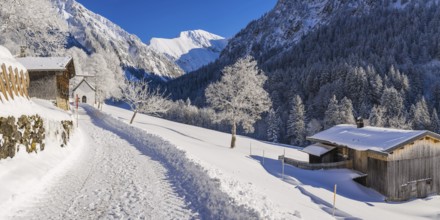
pixel 346 112
pixel 435 123
pixel 376 117
pixel 273 126
pixel 296 127
pixel 332 115
pixel 421 117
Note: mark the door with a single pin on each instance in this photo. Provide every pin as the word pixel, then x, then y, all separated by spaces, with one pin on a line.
pixel 84 99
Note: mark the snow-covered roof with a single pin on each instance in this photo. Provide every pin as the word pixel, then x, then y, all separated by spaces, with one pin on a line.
pixel 45 63
pixel 368 138
pixel 318 149
pixel 9 60
pixel 84 81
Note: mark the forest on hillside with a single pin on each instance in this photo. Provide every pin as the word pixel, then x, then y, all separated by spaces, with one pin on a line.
pixel 383 66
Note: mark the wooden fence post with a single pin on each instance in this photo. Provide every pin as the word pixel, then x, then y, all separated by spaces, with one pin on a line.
pixel 18 82
pixel 2 84
pixel 12 78
pixel 13 82
pixel 250 148
pixel 26 83
pixel 334 201
pixel 7 83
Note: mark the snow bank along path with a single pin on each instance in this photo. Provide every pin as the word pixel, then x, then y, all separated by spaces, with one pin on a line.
pixel 121 172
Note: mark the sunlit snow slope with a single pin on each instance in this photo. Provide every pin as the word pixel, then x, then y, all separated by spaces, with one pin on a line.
pixel 192 49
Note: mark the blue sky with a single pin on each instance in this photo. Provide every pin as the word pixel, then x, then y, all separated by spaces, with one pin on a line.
pixel 167 18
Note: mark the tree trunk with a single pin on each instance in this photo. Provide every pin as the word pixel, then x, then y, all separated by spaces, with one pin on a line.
pixel 234 132
pixel 132 118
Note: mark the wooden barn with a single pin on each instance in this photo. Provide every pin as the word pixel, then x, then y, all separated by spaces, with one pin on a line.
pixel 49 78
pixel 400 164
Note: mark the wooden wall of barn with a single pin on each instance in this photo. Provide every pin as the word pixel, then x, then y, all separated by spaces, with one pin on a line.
pixel 63 90
pixel 377 177
pixel 412 171
pixel 43 85
pixel 360 160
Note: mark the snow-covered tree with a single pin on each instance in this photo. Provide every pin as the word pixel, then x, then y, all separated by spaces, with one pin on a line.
pixel 332 115
pixel 142 100
pixel 394 108
pixel 239 96
pixel 346 111
pixel 376 117
pixel 435 123
pixel 296 128
pixel 273 126
pixel 421 118
pixel 313 127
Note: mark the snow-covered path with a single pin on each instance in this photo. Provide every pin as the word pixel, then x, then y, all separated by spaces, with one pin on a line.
pixel 117 171
pixel 110 179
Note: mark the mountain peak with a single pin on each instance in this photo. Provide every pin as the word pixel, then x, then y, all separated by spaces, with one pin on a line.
pixel 192 49
pixel 197 34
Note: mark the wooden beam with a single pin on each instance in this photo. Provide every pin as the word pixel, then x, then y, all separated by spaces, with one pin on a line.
pixel 12 82
pixel 18 82
pixel 2 84
pixel 6 79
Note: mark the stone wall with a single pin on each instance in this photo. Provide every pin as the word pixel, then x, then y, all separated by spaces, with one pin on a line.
pixel 29 133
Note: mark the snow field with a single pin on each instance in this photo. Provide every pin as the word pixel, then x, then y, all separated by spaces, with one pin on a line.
pixel 240 176
pixel 302 194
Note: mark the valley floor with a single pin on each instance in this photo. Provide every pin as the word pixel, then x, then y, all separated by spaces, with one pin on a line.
pixel 158 169
pixel 259 184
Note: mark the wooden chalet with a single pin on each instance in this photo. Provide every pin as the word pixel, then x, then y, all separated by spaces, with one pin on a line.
pixel 400 164
pixel 49 78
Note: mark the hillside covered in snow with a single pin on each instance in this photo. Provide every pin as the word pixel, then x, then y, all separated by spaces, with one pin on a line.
pixel 192 49
pixel 351 56
pixel 50 27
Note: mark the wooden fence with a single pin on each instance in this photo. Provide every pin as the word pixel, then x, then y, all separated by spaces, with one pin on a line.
pixel 13 83
pixel 317 166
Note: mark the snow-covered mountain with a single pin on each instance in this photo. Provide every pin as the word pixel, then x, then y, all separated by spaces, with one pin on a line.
pixel 49 27
pixel 192 49
pixel 344 49
pixel 95 31
pixel 286 24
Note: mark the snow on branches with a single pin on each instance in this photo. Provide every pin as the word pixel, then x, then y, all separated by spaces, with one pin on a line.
pixel 239 97
pixel 142 99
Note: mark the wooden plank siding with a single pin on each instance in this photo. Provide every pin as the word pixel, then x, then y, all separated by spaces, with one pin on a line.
pixel 360 161
pixel 63 90
pixel 377 175
pixel 412 171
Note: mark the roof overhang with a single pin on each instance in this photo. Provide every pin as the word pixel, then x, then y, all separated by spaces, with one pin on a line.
pixel 318 149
